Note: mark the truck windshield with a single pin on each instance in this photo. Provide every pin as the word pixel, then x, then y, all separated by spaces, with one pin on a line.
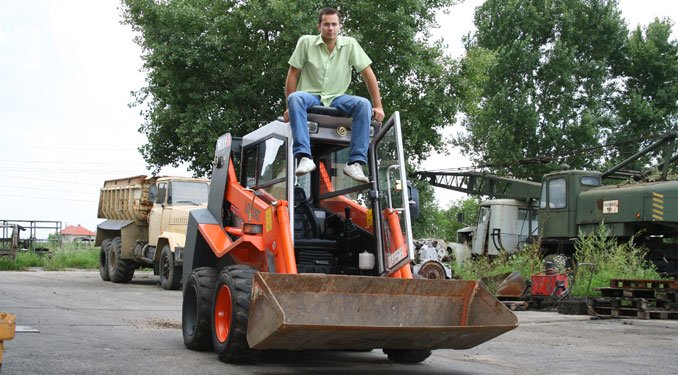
pixel 189 192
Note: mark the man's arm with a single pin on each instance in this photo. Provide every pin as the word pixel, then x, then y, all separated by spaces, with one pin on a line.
pixel 373 87
pixel 290 87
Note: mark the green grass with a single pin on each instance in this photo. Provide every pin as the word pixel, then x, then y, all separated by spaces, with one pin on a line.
pixel 70 255
pixel 611 260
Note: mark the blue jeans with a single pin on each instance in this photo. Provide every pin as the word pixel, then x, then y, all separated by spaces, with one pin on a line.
pixel 359 108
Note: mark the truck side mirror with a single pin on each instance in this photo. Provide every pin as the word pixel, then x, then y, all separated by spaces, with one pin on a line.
pixel 414 201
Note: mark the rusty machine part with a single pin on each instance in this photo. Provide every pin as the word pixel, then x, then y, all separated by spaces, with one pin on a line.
pixel 357 312
pixel 432 270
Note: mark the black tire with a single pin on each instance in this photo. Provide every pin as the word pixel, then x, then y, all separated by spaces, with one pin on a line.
pixel 230 311
pixel 120 270
pixel 103 260
pixel 196 309
pixel 407 355
pixel 170 274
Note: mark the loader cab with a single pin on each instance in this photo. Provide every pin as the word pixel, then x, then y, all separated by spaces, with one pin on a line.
pixel 339 226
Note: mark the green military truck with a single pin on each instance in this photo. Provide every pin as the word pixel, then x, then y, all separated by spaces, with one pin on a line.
pixel 570 202
pixel 145 225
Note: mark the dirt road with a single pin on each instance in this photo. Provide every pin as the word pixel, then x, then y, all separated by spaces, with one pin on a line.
pixel 88 326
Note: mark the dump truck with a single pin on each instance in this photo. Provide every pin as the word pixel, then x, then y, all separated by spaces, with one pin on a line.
pixel 319 261
pixel 145 225
pixel 569 202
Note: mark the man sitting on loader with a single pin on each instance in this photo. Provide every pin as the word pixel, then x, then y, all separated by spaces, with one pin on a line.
pixel 320 73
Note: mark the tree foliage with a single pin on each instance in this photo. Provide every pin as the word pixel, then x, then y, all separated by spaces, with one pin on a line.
pixel 648 104
pixel 546 81
pixel 219 66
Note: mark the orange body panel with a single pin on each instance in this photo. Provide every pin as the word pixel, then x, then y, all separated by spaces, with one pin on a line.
pixel 250 249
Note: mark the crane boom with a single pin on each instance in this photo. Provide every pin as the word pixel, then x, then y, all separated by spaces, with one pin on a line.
pixel 478 183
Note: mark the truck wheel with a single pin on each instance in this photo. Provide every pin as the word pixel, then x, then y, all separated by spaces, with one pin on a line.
pixel 103 260
pixel 196 308
pixel 120 270
pixel 407 355
pixel 230 311
pixel 170 275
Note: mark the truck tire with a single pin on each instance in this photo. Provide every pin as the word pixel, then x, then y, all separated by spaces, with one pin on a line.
pixel 170 274
pixel 120 270
pixel 196 308
pixel 103 260
pixel 230 311
pixel 407 355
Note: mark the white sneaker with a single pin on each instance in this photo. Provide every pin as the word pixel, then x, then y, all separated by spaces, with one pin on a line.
pixel 305 165
pixel 355 171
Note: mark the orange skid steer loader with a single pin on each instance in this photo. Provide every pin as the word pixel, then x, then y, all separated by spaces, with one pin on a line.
pixel 319 261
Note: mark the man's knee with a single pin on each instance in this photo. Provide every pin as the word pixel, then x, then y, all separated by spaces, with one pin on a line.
pixel 363 104
pixel 295 99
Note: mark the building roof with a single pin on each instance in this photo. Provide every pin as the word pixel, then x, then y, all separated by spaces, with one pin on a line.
pixel 73 230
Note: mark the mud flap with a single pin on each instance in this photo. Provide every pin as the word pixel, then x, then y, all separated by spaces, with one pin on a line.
pixel 355 312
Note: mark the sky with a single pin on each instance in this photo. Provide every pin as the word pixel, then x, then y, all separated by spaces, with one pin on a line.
pixel 67 70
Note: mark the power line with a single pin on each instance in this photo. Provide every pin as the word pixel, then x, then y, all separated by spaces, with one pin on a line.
pixel 70 182
pixel 76 171
pixel 49 189
pixel 46 198
pixel 65 162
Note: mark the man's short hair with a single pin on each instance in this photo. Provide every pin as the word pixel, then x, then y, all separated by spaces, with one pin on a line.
pixel 328 11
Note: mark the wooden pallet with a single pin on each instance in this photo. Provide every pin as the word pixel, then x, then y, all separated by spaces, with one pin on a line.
pixel 638 298
pixel 667 285
pixel 632 293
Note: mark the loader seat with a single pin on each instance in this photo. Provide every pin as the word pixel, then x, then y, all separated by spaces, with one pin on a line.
pixel 333 112
pixel 327 111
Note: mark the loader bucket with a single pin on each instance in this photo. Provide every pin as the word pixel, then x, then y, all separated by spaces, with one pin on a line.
pixel 355 312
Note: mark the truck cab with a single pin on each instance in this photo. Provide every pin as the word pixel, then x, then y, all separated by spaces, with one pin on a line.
pixel 173 198
pixel 503 225
pixel 558 205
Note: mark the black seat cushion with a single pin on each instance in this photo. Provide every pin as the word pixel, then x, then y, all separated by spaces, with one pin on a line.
pixel 327 111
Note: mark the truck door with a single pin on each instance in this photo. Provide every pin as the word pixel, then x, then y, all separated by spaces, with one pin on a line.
pixel 391 212
pixel 155 216
pixel 480 239
pixel 553 211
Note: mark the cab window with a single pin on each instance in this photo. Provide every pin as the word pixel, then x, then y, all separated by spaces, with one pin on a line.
pixel 557 193
pixel 265 167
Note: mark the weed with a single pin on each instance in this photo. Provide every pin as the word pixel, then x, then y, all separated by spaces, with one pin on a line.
pixel 611 259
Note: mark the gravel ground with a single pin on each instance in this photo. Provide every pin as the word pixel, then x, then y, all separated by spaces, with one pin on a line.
pixel 87 326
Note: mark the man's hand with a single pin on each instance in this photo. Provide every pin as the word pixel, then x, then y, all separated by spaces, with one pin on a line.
pixel 378 114
pixel 286 115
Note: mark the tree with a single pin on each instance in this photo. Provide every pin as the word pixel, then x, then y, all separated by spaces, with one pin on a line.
pixel 537 81
pixel 647 106
pixel 219 66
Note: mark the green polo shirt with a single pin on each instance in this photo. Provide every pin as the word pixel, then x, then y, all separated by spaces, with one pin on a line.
pixel 327 74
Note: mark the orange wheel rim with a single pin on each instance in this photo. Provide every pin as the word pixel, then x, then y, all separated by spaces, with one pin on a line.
pixel 222 313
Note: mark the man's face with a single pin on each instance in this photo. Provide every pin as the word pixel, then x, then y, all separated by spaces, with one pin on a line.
pixel 329 27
